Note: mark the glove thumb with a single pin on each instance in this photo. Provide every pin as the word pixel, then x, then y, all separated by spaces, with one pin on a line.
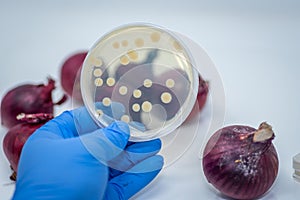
pixel 107 143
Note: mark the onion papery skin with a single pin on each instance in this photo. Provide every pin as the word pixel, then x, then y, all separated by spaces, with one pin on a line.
pixel 237 166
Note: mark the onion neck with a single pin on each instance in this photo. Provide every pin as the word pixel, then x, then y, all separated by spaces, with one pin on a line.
pixel 262 138
pixel 50 86
pixel 264 133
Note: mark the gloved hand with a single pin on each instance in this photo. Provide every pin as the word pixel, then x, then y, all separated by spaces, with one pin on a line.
pixel 56 161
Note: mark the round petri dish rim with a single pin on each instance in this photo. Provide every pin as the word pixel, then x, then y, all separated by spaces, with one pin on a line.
pixel 167 129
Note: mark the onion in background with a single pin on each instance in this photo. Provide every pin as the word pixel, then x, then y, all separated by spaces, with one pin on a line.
pixel 28 98
pixel 70 75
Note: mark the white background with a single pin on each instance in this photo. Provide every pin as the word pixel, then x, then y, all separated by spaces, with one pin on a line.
pixel 254 44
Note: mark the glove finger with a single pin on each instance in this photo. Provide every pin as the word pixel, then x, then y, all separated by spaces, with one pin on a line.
pixel 64 125
pixel 138 125
pixel 77 122
pixel 133 154
pixel 115 110
pixel 107 143
pixel 128 183
pixel 84 122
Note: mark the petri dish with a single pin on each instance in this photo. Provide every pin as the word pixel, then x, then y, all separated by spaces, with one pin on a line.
pixel 148 71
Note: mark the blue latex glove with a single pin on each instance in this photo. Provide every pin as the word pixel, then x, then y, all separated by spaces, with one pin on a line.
pixel 56 162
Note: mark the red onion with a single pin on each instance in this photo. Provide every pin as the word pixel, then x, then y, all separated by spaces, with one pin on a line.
pixel 203 89
pixel 27 98
pixel 153 94
pixel 202 93
pixel 240 161
pixel 181 90
pixel 70 75
pixel 16 137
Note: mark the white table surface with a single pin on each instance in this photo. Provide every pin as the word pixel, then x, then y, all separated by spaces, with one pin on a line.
pixel 255 46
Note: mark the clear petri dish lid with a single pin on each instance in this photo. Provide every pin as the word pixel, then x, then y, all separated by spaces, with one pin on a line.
pixel 143 75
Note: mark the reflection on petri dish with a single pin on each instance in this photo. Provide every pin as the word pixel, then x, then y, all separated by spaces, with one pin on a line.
pixel 149 72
